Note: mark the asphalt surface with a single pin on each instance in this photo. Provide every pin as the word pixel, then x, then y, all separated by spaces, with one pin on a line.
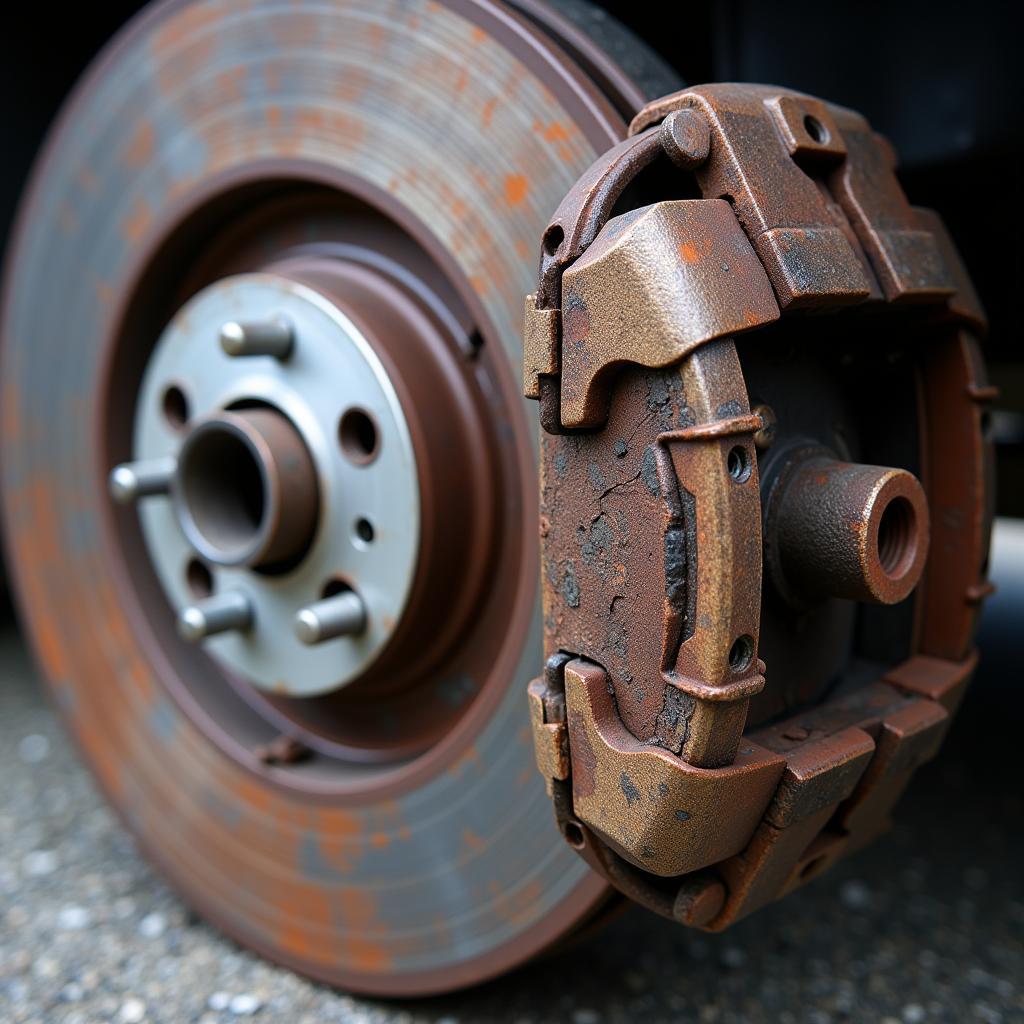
pixel 928 925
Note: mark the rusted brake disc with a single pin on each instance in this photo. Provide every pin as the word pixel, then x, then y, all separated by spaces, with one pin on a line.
pixel 765 497
pixel 270 273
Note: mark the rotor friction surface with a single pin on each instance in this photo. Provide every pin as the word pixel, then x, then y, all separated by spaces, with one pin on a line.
pixel 462 875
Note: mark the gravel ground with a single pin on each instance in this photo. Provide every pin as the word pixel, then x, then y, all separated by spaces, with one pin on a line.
pixel 926 926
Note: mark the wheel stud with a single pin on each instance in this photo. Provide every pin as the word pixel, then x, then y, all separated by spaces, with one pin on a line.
pixel 273 337
pixel 339 615
pixel 133 480
pixel 221 613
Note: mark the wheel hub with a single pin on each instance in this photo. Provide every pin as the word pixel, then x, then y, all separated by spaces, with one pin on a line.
pixel 295 480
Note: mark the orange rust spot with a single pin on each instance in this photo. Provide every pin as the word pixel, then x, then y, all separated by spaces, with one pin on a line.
pixel 371 957
pixel 478 35
pixel 380 840
pixel 140 147
pixel 138 222
pixel 516 186
pixel 377 36
pixel 555 132
pixel 230 85
pixel 306 906
pixel 104 293
pixel 184 44
pixel 688 252
pixel 462 81
pixel 487 114
pixel 352 84
pixel 472 841
pixel 250 793
pixel 273 116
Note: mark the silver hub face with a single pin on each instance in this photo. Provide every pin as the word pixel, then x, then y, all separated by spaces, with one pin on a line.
pixel 227 430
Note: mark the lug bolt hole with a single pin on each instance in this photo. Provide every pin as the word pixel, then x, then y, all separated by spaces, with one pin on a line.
pixel 199 579
pixel 739 464
pixel 896 537
pixel 358 436
pixel 175 407
pixel 364 531
pixel 741 654
pixel 815 129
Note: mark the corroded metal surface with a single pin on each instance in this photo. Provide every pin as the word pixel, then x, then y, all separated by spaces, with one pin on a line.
pixel 662 493
pixel 407 878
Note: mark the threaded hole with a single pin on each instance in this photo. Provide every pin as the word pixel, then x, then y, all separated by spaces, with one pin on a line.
pixel 741 654
pixel 815 129
pixel 738 463
pixel 896 537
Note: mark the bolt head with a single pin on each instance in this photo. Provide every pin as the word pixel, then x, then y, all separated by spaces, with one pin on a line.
pixel 191 625
pixel 232 338
pixel 123 485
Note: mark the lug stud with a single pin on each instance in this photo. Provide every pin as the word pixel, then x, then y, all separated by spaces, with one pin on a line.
pixel 133 480
pixel 221 613
pixel 273 337
pixel 341 614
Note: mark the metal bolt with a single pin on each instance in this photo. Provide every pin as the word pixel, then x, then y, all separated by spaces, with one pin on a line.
pixel 341 614
pixel 274 337
pixel 221 613
pixel 766 434
pixel 686 138
pixel 133 480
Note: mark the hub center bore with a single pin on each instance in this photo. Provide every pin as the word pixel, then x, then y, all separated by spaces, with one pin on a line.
pixel 245 491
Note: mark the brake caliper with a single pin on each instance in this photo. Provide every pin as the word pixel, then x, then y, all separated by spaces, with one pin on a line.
pixel 838 529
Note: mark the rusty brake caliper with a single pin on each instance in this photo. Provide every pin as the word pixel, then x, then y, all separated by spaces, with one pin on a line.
pixel 659 517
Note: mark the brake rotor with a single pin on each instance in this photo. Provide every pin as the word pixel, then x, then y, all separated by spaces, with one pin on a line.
pixel 340 511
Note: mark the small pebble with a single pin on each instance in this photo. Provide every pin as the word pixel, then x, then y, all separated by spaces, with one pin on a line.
pixel 913 1013
pixel 734 957
pixel 40 862
pixel 245 1004
pixel 73 918
pixel 219 1001
pixel 72 992
pixel 133 1011
pixel 34 748
pixel 855 895
pixel 152 926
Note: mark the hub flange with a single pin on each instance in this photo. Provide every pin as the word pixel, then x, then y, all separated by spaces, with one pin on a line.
pixel 292 474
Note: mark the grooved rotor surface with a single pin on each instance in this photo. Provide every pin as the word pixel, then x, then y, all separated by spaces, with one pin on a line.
pixel 466 119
